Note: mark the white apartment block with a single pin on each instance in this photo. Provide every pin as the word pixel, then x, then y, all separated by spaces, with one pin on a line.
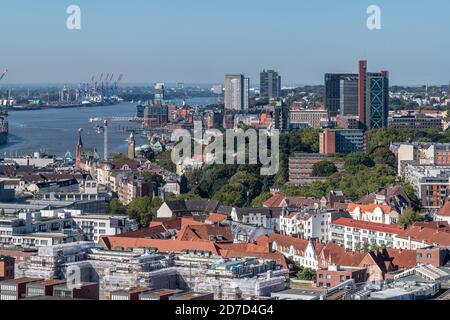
pixel 351 233
pixel 308 225
pixel 378 213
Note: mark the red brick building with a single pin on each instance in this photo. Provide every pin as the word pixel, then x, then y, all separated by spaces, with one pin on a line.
pixel 7 265
pixel 335 275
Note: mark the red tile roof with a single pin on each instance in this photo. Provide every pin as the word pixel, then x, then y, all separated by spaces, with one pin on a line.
pixel 336 254
pixel 204 232
pixel 217 217
pixel 286 242
pixel 435 225
pixel 428 236
pixel 369 207
pixel 381 227
pixel 403 259
pixel 445 210
pixel 274 202
pixel 126 243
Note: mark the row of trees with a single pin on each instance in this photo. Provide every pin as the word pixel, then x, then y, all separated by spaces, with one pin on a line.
pixel 143 209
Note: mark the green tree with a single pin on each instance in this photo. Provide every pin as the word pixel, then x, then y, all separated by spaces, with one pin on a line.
pixel 324 169
pixel 356 160
pixel 383 155
pixel 228 196
pixel 143 209
pixel 307 274
pixel 164 159
pixel 409 217
pixel 151 177
pixel 116 207
pixel 310 139
pixel 259 200
pixel 189 196
pixel 366 247
pixel 121 158
pixel 411 193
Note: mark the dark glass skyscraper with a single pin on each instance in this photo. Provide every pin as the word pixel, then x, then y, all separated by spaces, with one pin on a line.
pixel 270 84
pixel 373 104
pixel 333 91
pixel 377 100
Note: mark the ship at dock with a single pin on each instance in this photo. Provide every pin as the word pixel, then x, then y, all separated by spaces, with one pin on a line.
pixel 3 127
pixel 3 118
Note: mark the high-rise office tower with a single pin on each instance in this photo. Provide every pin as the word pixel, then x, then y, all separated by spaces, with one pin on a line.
pixel 333 91
pixel 348 96
pixel 246 94
pixel 237 92
pixel 448 90
pixel 373 100
pixel 270 84
pixel 159 93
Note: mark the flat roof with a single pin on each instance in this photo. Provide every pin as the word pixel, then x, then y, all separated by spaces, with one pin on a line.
pixel 190 295
pixel 76 286
pixel 47 282
pixel 132 290
pixel 21 280
pixel 162 292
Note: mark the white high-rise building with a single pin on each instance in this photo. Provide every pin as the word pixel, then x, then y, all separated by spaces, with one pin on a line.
pixel 237 92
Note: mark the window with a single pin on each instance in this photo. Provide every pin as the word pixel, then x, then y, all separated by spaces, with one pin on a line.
pixel 428 255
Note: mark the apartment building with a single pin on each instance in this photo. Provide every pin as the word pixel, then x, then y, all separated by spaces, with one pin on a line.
pixel 422 235
pixel 303 252
pixel 15 289
pixel 42 288
pixel 53 227
pixel 379 213
pixel 335 275
pixel 95 226
pixel 311 118
pixel 430 182
pixel 7 265
pixel 415 122
pixel 352 233
pixel 424 153
pixel 308 223
pixel 82 290
pixel 301 166
pixel 342 141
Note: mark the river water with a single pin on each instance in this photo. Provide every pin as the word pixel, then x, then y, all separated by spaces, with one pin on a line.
pixel 55 131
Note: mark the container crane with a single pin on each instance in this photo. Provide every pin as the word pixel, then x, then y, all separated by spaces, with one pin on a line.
pixel 3 74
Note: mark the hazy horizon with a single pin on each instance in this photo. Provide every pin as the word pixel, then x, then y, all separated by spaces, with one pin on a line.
pixel 201 41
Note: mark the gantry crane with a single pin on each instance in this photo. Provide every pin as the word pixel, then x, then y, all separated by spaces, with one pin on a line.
pixel 102 126
pixel 3 74
pixel 4 111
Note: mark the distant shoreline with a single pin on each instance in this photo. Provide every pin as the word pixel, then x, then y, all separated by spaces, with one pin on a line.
pixel 61 107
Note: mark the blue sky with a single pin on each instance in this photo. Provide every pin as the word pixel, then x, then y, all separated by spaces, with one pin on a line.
pixel 199 41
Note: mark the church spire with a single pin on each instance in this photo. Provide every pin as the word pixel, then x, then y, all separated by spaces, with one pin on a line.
pixel 80 142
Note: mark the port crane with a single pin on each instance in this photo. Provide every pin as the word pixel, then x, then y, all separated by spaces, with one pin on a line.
pixel 4 111
pixel 3 74
pixel 102 126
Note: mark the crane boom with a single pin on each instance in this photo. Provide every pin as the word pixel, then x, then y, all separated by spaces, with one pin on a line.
pixel 3 74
